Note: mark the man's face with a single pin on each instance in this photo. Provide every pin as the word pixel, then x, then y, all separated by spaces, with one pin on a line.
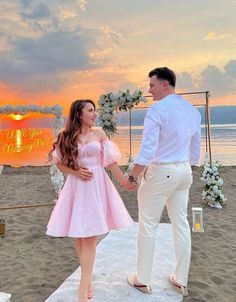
pixel 156 88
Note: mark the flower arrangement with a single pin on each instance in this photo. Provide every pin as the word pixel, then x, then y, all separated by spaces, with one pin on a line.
pixel 212 193
pixel 57 178
pixel 111 102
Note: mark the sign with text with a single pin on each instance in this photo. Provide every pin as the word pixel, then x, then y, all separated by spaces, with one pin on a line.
pixel 26 146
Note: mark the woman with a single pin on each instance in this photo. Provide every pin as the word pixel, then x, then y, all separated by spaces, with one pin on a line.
pixel 89 204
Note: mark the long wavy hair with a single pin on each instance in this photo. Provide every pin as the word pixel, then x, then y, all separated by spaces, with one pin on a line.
pixel 67 140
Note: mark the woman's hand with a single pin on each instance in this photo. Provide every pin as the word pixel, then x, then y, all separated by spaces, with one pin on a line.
pixel 83 174
pixel 125 184
pixel 123 180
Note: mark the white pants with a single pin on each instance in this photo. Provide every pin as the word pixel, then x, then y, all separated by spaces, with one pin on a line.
pixel 164 184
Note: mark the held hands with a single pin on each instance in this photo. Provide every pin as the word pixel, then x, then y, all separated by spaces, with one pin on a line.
pixel 84 174
pixel 126 184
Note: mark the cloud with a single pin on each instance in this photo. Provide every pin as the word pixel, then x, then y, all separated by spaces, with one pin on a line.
pixel 100 56
pixel 219 82
pixel 116 36
pixel 43 4
pixel 40 85
pixel 26 18
pixel 99 80
pixel 40 11
pixel 230 68
pixel 51 54
pixel 217 36
pixel 185 81
pixel 48 41
pixel 26 3
pixel 82 4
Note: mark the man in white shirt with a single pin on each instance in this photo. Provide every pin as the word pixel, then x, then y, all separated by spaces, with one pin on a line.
pixel 170 146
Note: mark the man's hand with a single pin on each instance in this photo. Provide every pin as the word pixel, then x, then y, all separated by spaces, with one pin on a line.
pixel 128 185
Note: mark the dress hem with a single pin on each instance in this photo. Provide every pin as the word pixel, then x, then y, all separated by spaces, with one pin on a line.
pixel 52 234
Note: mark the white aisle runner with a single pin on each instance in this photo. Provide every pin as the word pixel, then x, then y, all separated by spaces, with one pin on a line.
pixel 115 260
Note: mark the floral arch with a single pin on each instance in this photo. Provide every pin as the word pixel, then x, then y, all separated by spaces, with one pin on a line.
pixel 110 103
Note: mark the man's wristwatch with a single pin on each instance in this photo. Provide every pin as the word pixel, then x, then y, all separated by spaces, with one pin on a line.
pixel 132 179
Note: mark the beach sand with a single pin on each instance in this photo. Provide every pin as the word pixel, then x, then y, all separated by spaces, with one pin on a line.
pixel 33 265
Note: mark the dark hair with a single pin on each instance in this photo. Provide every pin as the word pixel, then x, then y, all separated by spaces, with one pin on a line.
pixel 164 73
pixel 67 140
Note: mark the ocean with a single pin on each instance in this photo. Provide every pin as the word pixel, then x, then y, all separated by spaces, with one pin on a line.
pixel 28 141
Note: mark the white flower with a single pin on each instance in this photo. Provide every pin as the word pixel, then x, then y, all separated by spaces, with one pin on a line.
pixel 143 99
pixel 211 193
pixel 57 178
pixel 110 102
pixel 105 117
pixel 113 119
pixel 107 123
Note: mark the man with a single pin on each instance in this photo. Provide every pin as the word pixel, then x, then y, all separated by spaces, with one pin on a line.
pixel 170 146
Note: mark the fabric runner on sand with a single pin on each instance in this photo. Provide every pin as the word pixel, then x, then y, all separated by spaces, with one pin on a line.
pixel 115 259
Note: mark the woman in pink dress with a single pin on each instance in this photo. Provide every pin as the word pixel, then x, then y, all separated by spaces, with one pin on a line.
pixel 88 205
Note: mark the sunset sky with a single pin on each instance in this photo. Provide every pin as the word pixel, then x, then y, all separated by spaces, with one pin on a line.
pixel 55 51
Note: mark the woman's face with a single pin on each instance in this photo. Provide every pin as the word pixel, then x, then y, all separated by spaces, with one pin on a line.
pixel 89 114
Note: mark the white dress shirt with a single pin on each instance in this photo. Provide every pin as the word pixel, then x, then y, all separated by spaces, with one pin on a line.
pixel 172 132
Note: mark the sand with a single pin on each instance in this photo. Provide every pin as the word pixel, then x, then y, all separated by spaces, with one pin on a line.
pixel 33 265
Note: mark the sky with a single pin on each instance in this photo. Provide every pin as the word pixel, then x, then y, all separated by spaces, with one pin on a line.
pixel 57 51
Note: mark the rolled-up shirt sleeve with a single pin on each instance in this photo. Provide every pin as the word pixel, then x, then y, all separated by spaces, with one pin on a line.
pixel 195 145
pixel 151 132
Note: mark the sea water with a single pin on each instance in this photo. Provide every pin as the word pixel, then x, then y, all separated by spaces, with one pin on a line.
pixel 28 141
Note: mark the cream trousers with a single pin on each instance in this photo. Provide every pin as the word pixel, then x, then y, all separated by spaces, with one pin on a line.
pixel 164 184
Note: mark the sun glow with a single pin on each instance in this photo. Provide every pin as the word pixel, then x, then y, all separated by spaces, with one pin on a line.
pixel 18 140
pixel 16 117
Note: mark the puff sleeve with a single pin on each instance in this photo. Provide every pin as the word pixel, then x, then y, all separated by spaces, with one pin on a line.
pixel 110 153
pixel 56 156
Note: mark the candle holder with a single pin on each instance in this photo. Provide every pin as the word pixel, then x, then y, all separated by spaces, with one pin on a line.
pixel 2 227
pixel 197 220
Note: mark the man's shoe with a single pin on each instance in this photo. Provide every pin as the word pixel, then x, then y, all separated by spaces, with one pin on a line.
pixel 132 280
pixel 180 288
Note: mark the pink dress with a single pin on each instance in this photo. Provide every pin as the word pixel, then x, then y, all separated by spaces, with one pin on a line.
pixel 91 208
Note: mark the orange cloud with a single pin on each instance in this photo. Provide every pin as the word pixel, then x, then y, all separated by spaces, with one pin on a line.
pixel 217 36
